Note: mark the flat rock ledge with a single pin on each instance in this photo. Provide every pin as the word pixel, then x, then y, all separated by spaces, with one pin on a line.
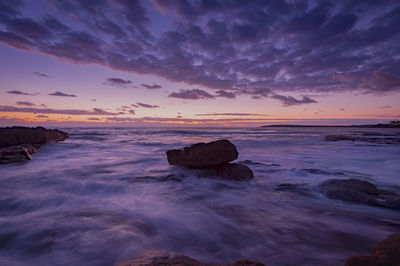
pixel 385 253
pixel 213 159
pixel 155 258
pixel 18 143
pixel 358 191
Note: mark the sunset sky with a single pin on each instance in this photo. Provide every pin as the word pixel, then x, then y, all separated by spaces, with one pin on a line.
pixel 202 62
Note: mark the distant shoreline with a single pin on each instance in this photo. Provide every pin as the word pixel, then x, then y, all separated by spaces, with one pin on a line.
pixel 393 124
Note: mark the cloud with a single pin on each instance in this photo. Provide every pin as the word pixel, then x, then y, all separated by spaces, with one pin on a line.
pixel 134 105
pixel 20 93
pixel 225 94
pixel 145 105
pixel 25 103
pixel 121 119
pixel 41 75
pixel 386 107
pixel 95 111
pixel 42 116
pixel 194 94
pixel 231 114
pixel 289 100
pixel 62 94
pixel 236 48
pixel 94 119
pixel 117 82
pixel 151 87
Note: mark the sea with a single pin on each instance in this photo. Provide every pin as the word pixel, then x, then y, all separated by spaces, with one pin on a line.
pixel 107 194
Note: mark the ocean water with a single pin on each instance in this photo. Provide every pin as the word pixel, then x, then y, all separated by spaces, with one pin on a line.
pixel 107 194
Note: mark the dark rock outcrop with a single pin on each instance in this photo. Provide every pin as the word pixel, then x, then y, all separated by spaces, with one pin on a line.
pixel 213 159
pixel 18 143
pixel 12 136
pixel 386 252
pixel 204 155
pixel 155 258
pixel 359 191
pixel 383 139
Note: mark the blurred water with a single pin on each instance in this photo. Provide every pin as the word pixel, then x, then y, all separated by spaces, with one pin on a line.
pixel 106 194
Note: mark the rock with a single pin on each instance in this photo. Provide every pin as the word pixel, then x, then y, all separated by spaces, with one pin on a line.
pixel 355 190
pixel 18 153
pixel 18 143
pixel 233 171
pixel 300 188
pixel 384 139
pixel 386 252
pixel 154 258
pixel 204 155
pixel 12 136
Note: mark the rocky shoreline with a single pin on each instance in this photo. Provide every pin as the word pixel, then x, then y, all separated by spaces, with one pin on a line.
pixel 18 143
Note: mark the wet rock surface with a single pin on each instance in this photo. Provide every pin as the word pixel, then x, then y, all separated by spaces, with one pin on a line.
pixel 204 155
pixel 211 159
pixel 354 190
pixel 386 252
pixel 154 258
pixel 18 143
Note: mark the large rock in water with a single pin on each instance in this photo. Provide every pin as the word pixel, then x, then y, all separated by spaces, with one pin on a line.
pixel 359 191
pixel 12 136
pixel 18 143
pixel 385 253
pixel 204 155
pixel 155 258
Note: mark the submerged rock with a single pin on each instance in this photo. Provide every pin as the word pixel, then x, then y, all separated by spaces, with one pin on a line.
pixel 384 139
pixel 154 258
pixel 204 155
pixel 386 252
pixel 359 191
pixel 232 171
pixel 18 143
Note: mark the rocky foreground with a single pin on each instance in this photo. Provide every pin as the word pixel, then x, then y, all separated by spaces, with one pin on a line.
pixel 155 258
pixel 384 253
pixel 213 159
pixel 18 143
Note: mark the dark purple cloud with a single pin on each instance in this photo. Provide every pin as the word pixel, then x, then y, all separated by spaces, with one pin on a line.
pixel 62 94
pixel 194 94
pixel 225 94
pixel 145 105
pixel 95 111
pixel 289 100
pixel 259 48
pixel 151 87
pixel 25 103
pixel 41 74
pixel 386 107
pixel 42 116
pixel 94 118
pixel 20 92
pixel 117 82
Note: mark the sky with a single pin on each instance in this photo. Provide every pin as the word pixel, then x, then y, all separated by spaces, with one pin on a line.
pixel 199 63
